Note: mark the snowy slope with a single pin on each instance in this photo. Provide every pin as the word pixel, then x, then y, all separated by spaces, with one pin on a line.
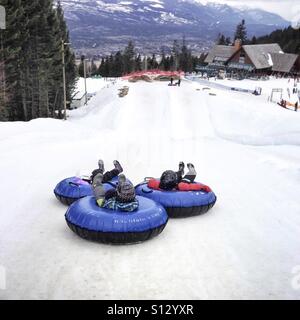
pixel 246 149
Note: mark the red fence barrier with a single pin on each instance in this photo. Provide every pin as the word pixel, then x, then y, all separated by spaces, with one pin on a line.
pixel 154 73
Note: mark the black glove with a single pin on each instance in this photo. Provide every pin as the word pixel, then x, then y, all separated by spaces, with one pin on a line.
pixel 94 173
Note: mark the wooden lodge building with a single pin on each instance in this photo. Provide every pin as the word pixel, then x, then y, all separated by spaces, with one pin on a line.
pixel 259 59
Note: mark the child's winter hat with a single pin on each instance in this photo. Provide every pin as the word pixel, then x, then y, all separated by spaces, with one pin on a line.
pixel 168 180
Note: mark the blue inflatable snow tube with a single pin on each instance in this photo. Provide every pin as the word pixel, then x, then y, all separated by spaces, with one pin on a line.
pixel 91 222
pixel 180 204
pixel 71 189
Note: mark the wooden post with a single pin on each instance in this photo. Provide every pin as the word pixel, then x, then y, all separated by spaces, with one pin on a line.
pixel 85 86
pixel 3 67
pixel 64 78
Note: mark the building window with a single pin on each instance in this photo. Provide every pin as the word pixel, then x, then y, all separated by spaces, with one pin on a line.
pixel 242 60
pixel 242 57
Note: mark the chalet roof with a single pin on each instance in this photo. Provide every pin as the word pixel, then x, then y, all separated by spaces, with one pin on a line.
pixel 260 54
pixel 283 62
pixel 220 52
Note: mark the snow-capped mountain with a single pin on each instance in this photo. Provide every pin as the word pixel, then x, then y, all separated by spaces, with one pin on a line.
pixel 108 24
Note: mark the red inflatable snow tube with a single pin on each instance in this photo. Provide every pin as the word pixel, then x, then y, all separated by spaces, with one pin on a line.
pixel 187 200
pixel 182 186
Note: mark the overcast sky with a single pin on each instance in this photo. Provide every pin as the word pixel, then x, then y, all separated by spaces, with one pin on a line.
pixel 288 9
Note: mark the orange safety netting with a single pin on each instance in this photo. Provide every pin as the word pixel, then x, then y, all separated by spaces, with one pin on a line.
pixel 153 74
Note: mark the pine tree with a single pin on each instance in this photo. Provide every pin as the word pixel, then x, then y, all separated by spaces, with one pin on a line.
pixel 241 32
pixel 31 60
pixel 37 54
pixel 185 58
pixel 94 69
pixel 168 63
pixel 70 66
pixel 128 57
pixel 149 63
pixel 288 39
pixel 164 63
pixel 253 40
pixel 153 62
pixel 119 64
pixel 101 67
pixel 227 41
pixel 221 40
pixel 111 66
pixel 138 63
pixel 106 70
pixel 11 61
pixel 175 54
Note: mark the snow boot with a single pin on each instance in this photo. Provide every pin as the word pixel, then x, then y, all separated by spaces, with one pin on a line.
pixel 191 174
pixel 97 179
pixel 118 166
pixel 181 167
pixel 101 165
pixel 122 179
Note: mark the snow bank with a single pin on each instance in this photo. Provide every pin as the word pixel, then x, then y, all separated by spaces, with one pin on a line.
pixel 251 121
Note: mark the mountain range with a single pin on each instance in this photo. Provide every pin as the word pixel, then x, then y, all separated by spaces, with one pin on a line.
pixel 99 26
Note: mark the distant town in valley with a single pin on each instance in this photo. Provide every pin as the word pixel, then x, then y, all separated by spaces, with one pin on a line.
pixel 101 28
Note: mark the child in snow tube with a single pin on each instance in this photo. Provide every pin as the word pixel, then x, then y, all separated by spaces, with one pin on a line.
pixel 171 180
pixel 115 215
pixel 121 198
pixel 72 189
pixel 179 194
